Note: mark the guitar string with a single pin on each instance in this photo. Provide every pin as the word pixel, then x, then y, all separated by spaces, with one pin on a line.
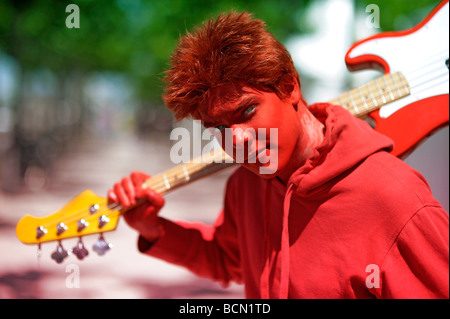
pixel 162 188
pixel 423 69
pixel 376 95
pixel 436 75
pixel 436 59
pixel 111 207
pixel 79 215
pixel 414 75
pixel 85 213
pixel 159 187
pixel 426 86
pixel 423 74
pixel 172 175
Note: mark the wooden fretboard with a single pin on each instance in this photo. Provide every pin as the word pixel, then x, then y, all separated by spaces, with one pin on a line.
pixel 188 172
pixel 373 95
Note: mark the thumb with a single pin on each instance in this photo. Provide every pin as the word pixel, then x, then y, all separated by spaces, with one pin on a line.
pixel 152 197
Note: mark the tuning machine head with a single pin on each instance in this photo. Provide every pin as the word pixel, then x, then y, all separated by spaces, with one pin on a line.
pixel 79 250
pixel 60 253
pixel 101 246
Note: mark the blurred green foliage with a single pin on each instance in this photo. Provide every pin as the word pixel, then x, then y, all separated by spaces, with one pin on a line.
pixel 136 37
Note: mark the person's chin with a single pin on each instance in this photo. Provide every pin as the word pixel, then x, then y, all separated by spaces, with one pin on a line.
pixel 266 171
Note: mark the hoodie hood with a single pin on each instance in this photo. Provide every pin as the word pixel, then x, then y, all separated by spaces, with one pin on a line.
pixel 347 142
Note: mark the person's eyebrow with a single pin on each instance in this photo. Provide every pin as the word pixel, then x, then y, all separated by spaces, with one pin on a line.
pixel 245 101
pixel 208 124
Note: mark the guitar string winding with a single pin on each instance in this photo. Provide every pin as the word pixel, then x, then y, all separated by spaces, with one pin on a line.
pixel 435 61
pixel 423 74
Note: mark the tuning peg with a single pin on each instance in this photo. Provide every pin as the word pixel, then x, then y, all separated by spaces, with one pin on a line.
pixel 59 254
pixel 79 250
pixel 101 246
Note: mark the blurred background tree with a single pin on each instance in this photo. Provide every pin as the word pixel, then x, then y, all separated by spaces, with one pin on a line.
pixel 58 83
pixel 137 36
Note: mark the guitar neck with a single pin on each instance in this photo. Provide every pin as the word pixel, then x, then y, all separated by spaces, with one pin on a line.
pixel 359 101
pixel 188 172
pixel 373 95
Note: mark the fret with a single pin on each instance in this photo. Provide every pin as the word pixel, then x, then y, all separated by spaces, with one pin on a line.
pixel 166 181
pixel 366 104
pixel 388 88
pixel 186 173
pixel 363 99
pixel 370 98
pixel 374 100
pixel 381 91
pixel 404 85
pixel 355 108
pixel 395 84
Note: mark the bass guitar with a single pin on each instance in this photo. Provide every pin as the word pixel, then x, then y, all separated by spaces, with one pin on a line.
pixel 408 103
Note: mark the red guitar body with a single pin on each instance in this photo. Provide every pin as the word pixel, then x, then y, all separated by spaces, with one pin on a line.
pixel 421 54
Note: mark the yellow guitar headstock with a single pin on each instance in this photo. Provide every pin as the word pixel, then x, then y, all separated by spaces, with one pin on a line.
pixel 86 214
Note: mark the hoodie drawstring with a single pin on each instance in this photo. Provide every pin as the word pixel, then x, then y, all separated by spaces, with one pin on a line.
pixel 264 284
pixel 284 250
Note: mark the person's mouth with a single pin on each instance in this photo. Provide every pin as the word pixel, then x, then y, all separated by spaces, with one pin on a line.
pixel 254 156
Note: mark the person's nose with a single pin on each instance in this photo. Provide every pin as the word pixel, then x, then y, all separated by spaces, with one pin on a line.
pixel 242 136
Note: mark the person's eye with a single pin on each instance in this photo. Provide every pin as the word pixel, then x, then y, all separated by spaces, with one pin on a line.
pixel 219 128
pixel 249 110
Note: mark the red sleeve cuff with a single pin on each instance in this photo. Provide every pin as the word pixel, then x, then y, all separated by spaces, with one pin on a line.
pixel 171 246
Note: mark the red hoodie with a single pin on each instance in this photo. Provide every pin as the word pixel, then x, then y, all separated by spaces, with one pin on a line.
pixel 353 222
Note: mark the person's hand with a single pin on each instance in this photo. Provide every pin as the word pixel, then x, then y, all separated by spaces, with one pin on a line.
pixel 144 217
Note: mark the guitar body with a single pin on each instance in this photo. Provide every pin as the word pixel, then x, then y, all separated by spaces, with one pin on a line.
pixel 411 119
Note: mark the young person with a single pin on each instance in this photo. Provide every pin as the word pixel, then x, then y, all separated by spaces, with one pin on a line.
pixel 339 217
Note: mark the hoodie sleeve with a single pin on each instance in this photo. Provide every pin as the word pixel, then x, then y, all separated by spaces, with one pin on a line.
pixel 209 251
pixel 417 264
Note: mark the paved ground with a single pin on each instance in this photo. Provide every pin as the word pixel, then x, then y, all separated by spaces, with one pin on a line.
pixel 123 272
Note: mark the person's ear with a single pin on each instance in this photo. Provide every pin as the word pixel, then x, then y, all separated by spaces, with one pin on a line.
pixel 291 89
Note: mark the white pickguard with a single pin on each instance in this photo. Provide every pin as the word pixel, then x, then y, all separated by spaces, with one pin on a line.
pixel 420 56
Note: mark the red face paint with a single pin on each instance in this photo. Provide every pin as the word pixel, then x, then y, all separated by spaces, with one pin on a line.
pixel 248 113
